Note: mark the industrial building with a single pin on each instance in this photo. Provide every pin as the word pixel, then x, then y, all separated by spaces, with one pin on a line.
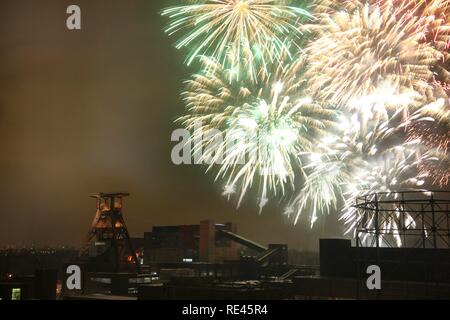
pixel 204 242
pixel 212 261
pixel 413 257
pixel 114 263
pixel 406 273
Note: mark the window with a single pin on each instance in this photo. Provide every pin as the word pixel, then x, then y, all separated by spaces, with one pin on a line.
pixel 16 293
pixel 102 280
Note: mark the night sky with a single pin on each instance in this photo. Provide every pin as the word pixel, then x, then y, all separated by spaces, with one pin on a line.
pixel 93 110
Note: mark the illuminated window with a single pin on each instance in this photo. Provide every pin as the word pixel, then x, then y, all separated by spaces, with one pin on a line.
pixel 15 294
pixel 102 280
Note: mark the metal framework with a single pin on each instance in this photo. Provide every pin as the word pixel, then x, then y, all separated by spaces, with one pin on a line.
pixel 408 219
pixel 110 231
pixel 418 225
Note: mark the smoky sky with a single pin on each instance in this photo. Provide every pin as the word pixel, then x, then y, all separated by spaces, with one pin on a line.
pixel 93 110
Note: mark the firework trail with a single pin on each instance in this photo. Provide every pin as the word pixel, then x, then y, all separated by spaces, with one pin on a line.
pixel 431 125
pixel 437 168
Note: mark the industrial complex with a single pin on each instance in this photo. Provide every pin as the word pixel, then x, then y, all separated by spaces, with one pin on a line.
pixel 212 260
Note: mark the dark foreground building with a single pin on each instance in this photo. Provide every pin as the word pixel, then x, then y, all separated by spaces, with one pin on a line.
pixel 40 286
pixel 406 273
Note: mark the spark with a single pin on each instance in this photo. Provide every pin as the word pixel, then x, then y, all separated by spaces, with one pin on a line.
pixel 436 168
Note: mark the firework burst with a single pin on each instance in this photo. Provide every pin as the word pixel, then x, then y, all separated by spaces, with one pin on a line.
pixel 362 53
pixel 358 160
pixel 363 109
pixel 252 33
pixel 332 6
pixel 395 169
pixel 432 15
pixel 334 161
pixel 264 125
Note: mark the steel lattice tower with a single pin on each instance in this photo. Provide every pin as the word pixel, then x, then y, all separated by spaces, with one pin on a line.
pixel 109 236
